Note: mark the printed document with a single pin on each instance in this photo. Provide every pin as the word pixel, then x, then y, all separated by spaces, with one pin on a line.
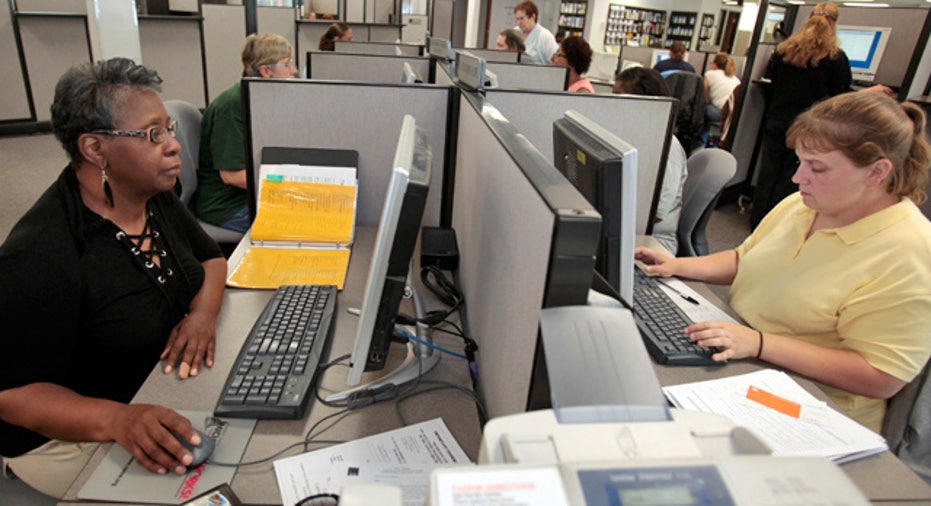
pixel 403 457
pixel 781 413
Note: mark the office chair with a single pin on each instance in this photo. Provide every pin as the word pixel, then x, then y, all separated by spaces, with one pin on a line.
pixel 905 427
pixel 188 134
pixel 689 88
pixel 709 170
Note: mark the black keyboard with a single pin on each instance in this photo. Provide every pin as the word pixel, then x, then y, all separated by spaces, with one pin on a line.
pixel 274 374
pixel 662 326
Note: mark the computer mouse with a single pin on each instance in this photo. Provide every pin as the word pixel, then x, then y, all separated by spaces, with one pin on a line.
pixel 200 452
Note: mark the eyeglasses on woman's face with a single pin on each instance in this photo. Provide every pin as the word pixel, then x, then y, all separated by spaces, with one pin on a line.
pixel 155 135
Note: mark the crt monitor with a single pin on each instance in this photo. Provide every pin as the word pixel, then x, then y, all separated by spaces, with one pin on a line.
pixel 604 170
pixel 658 56
pixel 398 229
pixel 864 46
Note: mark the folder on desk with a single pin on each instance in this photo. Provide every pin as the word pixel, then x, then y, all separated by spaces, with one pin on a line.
pixel 303 229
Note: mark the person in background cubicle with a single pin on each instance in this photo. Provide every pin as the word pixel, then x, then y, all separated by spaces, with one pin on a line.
pixel 336 31
pixel 807 67
pixel 539 41
pixel 104 276
pixel 720 82
pixel 510 39
pixel 221 197
pixel 676 60
pixel 560 35
pixel 834 283
pixel 576 54
pixel 644 81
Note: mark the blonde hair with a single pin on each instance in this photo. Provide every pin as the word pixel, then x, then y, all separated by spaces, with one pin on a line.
pixel 816 40
pixel 866 127
pixel 724 62
pixel 262 49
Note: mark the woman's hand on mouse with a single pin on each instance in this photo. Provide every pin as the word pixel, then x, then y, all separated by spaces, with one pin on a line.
pixel 145 431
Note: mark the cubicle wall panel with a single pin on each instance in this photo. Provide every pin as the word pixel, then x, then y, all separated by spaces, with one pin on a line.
pixel 14 104
pixel 309 33
pixel 442 74
pixel 51 45
pixel 278 20
pixel 384 33
pixel 491 55
pixel 504 230
pixel 364 67
pixel 386 49
pixel 363 117
pixel 224 32
pixel 530 77
pixel 173 48
pixel 644 122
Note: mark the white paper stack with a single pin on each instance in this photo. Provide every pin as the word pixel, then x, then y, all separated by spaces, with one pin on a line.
pixel 817 430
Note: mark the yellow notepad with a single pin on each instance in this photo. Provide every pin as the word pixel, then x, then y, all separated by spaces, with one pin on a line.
pixel 303 229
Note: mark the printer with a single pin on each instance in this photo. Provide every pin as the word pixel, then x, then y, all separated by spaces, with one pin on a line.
pixel 611 440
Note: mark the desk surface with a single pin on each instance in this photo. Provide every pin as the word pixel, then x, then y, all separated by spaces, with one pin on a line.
pixel 256 484
pixel 883 478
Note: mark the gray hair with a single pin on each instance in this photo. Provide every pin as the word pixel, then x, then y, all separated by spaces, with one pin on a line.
pixel 87 98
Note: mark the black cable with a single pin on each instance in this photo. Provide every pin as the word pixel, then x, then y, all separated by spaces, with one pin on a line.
pixel 441 385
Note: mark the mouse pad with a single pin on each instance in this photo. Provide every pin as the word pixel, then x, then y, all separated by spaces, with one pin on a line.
pixel 120 478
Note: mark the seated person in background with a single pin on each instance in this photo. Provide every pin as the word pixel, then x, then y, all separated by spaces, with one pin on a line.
pixel 539 41
pixel 676 60
pixel 221 197
pixel 720 81
pixel 834 283
pixel 510 39
pixel 644 81
pixel 576 54
pixel 104 276
pixel 560 35
pixel 336 31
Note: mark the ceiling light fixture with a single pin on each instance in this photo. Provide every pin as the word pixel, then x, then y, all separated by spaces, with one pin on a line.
pixel 861 4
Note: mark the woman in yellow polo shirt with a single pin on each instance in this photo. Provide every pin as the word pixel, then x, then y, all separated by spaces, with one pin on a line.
pixel 835 282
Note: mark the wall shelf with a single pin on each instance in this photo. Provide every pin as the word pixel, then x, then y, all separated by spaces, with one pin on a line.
pixel 681 28
pixel 633 26
pixel 572 15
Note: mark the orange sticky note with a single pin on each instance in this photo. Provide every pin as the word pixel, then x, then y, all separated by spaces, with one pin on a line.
pixel 770 400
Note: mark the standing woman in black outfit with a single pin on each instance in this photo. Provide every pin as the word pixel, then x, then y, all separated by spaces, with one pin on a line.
pixel 806 68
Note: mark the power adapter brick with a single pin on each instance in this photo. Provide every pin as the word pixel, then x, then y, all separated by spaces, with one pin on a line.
pixel 438 247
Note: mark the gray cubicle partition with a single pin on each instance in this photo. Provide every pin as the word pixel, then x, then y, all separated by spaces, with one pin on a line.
pixel 491 54
pixel 645 122
pixel 527 240
pixel 369 68
pixel 530 77
pixel 344 115
pixel 383 48
pixel 443 73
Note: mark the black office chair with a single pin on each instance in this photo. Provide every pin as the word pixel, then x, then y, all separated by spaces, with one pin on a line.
pixel 188 134
pixel 709 170
pixel 689 88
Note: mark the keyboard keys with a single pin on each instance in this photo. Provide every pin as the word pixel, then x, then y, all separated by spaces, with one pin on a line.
pixel 662 326
pixel 274 374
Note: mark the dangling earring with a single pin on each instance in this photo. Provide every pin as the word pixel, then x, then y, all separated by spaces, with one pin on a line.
pixel 107 192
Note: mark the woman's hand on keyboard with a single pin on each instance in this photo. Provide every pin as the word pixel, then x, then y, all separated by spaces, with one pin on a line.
pixel 735 341
pixel 654 263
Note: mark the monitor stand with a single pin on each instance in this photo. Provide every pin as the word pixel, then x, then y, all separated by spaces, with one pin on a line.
pixel 420 359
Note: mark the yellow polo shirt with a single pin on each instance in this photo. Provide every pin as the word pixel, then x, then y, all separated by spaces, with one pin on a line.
pixel 864 287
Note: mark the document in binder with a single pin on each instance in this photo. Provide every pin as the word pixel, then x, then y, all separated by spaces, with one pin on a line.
pixel 303 230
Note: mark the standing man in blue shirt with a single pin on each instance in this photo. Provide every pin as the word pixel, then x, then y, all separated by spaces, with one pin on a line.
pixel 539 41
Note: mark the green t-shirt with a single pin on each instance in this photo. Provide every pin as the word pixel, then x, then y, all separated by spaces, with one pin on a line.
pixel 221 148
